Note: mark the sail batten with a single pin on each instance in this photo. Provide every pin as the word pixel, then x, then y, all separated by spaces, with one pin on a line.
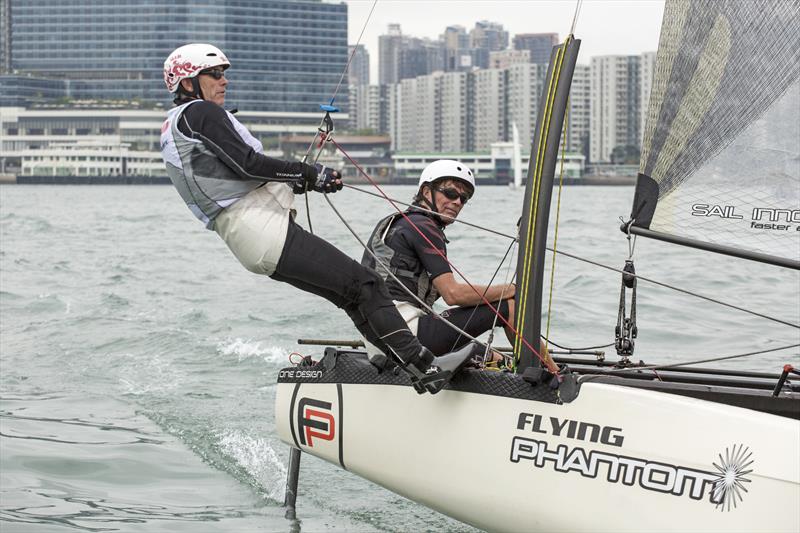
pixel 721 149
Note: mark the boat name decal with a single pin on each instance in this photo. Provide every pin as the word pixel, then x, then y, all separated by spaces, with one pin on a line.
pixel 315 420
pixel 724 488
pixel 572 429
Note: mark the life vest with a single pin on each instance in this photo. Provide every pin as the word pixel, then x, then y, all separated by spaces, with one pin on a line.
pixel 205 183
pixel 411 270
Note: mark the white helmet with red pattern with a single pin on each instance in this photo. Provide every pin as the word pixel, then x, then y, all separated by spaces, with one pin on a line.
pixel 188 60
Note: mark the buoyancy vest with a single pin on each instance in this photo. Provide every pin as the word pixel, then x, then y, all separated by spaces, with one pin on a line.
pixel 404 266
pixel 205 183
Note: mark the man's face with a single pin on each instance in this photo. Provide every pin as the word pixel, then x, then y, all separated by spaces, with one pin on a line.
pixel 448 207
pixel 213 89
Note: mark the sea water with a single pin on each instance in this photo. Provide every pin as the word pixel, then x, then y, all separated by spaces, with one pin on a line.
pixel 138 359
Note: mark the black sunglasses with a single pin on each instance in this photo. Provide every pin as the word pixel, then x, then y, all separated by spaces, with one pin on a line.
pixel 452 194
pixel 216 73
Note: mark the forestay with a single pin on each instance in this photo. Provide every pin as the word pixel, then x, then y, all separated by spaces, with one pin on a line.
pixel 720 161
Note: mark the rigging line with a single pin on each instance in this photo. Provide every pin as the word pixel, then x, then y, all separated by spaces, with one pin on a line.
pixel 486 290
pixel 578 349
pixel 551 366
pixel 333 97
pixel 676 365
pixel 591 262
pixel 684 291
pixel 484 228
pixel 578 5
pixel 349 59
pixel 386 267
pixel 558 217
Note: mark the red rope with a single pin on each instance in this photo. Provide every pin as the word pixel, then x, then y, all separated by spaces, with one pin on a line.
pixel 546 362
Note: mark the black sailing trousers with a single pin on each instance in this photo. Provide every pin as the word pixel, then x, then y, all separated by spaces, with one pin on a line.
pixel 314 265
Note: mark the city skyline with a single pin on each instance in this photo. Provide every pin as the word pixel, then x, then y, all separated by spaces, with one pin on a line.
pixel 606 27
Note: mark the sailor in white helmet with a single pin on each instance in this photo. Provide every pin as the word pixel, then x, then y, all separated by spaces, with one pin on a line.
pixel 445 186
pixel 223 176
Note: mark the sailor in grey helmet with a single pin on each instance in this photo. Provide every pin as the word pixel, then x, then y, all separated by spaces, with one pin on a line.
pixel 445 186
pixel 223 176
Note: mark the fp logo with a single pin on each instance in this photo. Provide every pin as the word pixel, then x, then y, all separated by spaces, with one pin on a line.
pixel 314 420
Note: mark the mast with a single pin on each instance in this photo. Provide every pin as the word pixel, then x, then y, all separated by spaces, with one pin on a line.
pixel 536 208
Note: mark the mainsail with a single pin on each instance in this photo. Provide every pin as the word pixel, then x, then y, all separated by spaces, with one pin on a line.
pixel 720 161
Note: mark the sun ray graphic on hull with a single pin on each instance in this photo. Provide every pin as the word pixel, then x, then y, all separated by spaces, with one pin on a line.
pixel 732 471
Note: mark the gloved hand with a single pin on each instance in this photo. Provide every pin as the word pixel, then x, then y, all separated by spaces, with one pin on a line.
pixel 328 180
pixel 318 178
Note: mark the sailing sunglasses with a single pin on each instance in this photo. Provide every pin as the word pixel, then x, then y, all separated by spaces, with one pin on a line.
pixel 216 73
pixel 452 194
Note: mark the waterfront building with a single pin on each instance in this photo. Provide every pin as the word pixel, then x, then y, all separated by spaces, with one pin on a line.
pixel 540 45
pixel 490 167
pixel 93 140
pixel 615 108
pixel 287 56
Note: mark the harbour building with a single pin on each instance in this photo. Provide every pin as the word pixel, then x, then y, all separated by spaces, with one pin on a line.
pixel 81 81
pixel 287 56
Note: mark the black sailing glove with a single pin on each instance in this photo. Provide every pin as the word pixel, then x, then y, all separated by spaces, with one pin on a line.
pixel 328 180
pixel 318 178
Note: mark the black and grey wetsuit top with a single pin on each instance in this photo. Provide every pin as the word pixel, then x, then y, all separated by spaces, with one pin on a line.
pixel 213 160
pixel 415 262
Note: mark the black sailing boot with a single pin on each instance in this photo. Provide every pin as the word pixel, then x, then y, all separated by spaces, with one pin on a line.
pixel 433 373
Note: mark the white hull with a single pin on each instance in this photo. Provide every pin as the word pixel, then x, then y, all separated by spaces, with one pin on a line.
pixel 463 455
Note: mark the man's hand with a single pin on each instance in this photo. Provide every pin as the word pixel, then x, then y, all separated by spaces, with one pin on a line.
pixel 319 178
pixel 328 180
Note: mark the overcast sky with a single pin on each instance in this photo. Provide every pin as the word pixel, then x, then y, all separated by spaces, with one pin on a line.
pixel 604 26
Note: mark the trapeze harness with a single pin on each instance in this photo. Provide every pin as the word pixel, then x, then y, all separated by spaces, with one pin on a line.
pixel 407 268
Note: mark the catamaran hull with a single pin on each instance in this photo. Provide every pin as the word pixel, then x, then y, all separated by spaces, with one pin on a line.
pixel 615 458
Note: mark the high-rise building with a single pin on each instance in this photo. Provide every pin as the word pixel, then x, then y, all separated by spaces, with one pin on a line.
pixel 286 56
pixel 579 111
pixel 389 46
pixel 484 38
pixel 370 108
pixel 5 36
pixel 615 108
pixel 454 93
pixel 505 58
pixel 540 45
pixel 419 57
pixel 489 108
pixel 455 41
pixel 525 82
pixel 358 71
pixel 646 73
pixel 432 113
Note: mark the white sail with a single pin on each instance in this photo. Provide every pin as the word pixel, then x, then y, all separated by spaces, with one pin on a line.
pixel 720 163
